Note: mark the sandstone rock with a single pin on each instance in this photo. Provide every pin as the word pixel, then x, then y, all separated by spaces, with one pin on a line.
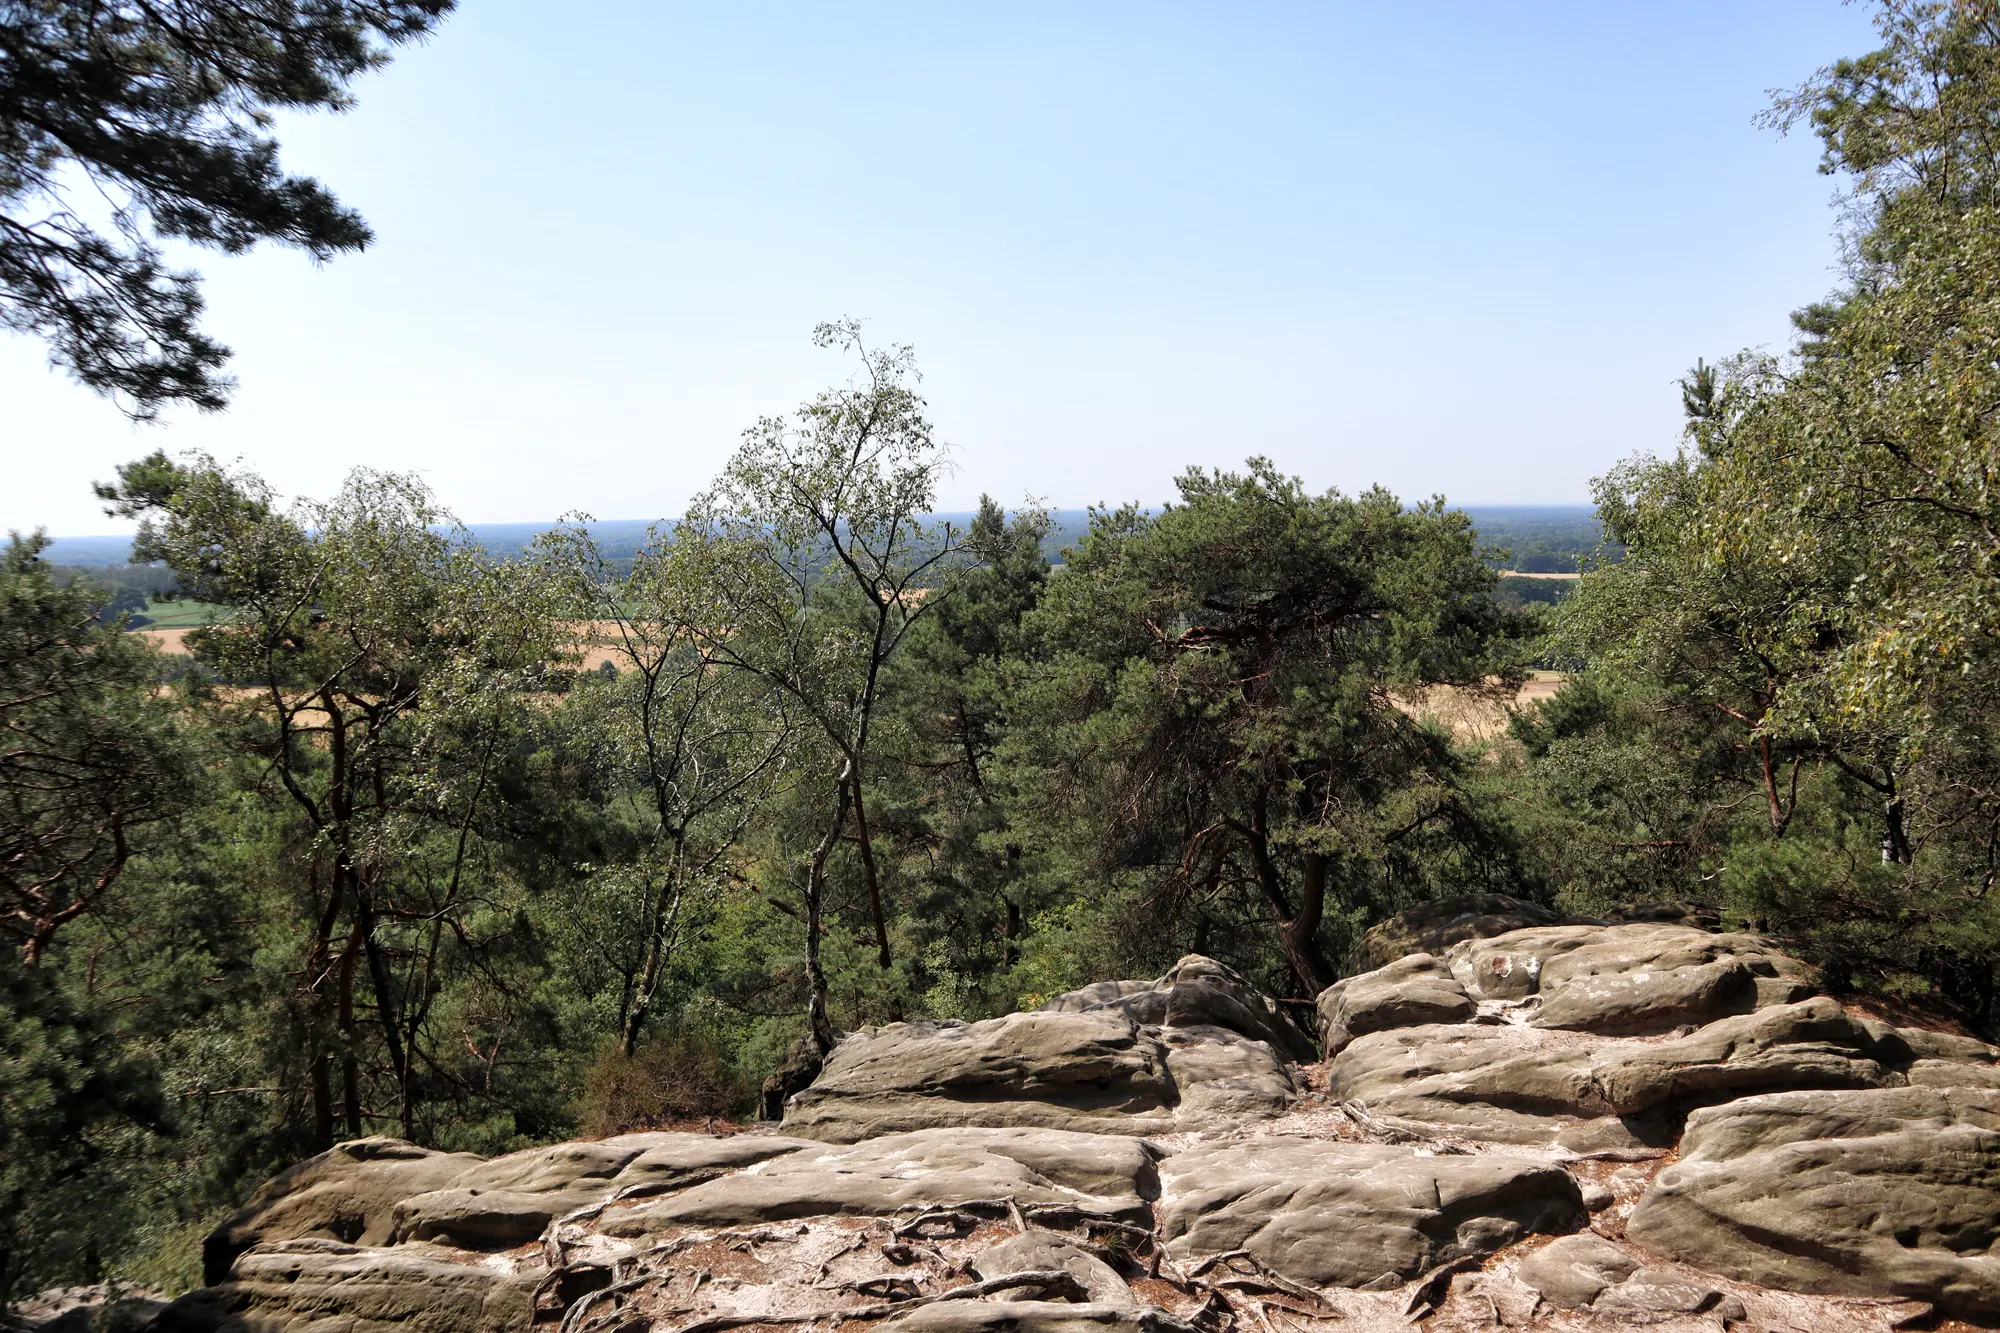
pixel 1629 979
pixel 1194 1051
pixel 1409 992
pixel 330 1287
pixel 347 1193
pixel 1515 1084
pixel 1352 1214
pixel 1435 926
pixel 1035 1317
pixel 1571 1271
pixel 1197 992
pixel 1892 1191
pixel 1653 978
pixel 1053 1070
pixel 1650 1295
pixel 511 1199
pixel 1506 1084
pixel 1099 1175
pixel 1045 1251
pixel 104 1307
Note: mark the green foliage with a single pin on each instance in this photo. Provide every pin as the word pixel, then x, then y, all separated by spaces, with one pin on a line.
pixel 68 1106
pixel 1209 710
pixel 90 760
pixel 1793 675
pixel 164 111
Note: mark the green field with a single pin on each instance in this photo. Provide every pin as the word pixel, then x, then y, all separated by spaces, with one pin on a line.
pixel 177 615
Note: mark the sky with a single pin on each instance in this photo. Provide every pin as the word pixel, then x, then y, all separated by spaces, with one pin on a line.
pixel 1451 248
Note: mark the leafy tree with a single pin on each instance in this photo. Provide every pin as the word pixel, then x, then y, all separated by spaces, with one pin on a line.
pixel 1822 566
pixel 164 109
pixel 91 760
pixel 1213 707
pixel 379 663
pixel 816 541
pixel 944 810
pixel 708 745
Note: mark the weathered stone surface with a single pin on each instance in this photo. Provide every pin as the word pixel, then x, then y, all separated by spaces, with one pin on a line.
pixel 511 1199
pixel 1196 992
pixel 1035 1317
pixel 1516 1084
pixel 1892 1191
pixel 1044 1251
pixel 1435 926
pixel 103 1307
pixel 330 1287
pixel 1096 1174
pixel 1198 1049
pixel 1351 1214
pixel 1636 979
pixel 1508 1084
pixel 1570 1271
pixel 1051 1070
pixel 347 1193
pixel 1629 979
pixel 1650 1295
pixel 1223 1080
pixel 1826 1152
pixel 1409 992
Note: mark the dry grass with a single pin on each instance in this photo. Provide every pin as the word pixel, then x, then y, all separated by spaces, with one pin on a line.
pixel 1477 716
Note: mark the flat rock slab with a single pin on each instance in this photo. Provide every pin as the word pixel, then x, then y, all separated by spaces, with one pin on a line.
pixel 511 1199
pixel 1099 1175
pixel 1510 1083
pixel 1046 1251
pixel 1410 992
pixel 1883 1192
pixel 1571 1271
pixel 328 1287
pixel 1352 1214
pixel 1093 1065
pixel 1628 980
pixel 348 1193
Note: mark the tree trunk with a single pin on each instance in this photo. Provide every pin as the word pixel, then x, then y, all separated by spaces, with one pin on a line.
pixel 1297 930
pixel 820 1022
pixel 322 1100
pixel 1302 931
pixel 882 958
pixel 666 910
pixel 1896 837
pixel 350 1061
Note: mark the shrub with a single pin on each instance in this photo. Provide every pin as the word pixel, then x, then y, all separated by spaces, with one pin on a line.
pixel 672 1079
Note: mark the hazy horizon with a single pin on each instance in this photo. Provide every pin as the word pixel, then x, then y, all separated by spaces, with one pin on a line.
pixel 1456 248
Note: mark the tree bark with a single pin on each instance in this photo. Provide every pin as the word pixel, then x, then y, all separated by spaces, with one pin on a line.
pixel 666 911
pixel 1297 929
pixel 820 1022
pixel 882 958
pixel 350 1061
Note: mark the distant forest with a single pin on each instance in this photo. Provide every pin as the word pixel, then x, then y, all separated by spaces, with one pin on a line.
pixel 1526 539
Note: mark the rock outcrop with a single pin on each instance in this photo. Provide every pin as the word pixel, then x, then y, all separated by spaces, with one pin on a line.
pixel 1488 1133
pixel 1198 1049
pixel 1885 1190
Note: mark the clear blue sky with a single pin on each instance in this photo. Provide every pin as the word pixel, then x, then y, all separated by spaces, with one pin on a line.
pixel 1452 247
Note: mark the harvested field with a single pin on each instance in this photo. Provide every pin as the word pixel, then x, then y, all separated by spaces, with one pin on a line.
pixel 1474 716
